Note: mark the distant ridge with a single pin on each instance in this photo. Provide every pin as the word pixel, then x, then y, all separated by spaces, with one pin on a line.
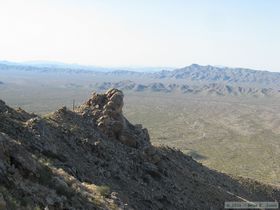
pixel 209 73
pixel 216 89
pixel 194 73
pixel 73 66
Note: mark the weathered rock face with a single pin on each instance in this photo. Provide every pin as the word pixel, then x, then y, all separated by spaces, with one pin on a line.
pixel 67 160
pixel 106 109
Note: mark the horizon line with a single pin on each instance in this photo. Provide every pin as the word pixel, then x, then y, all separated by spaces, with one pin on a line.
pixel 60 64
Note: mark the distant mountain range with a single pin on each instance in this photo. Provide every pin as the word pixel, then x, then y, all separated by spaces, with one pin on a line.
pixel 193 74
pixel 217 89
pixel 59 65
pixel 209 73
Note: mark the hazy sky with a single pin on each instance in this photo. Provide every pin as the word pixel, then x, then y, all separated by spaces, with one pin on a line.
pixel 175 33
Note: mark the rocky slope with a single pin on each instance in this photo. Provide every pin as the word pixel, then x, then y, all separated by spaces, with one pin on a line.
pixel 94 158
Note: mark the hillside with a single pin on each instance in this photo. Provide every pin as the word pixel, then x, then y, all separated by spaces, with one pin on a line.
pixel 94 158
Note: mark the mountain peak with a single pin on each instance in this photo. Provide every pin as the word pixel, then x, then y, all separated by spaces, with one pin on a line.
pixel 194 65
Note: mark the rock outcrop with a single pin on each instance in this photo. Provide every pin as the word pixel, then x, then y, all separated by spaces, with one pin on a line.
pixel 106 110
pixel 93 158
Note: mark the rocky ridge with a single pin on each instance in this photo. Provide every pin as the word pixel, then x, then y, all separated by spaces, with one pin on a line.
pixel 94 158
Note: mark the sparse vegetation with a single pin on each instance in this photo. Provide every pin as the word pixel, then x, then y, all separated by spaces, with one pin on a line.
pixel 233 135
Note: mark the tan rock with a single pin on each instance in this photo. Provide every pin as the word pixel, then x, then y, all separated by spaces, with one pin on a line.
pixel 100 125
pixel 111 91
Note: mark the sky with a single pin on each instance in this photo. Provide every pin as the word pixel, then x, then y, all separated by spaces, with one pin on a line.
pixel 140 33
